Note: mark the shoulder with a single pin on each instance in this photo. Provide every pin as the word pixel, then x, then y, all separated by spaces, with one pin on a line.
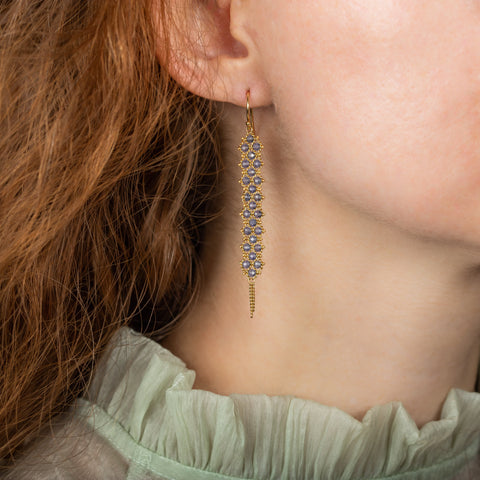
pixel 68 449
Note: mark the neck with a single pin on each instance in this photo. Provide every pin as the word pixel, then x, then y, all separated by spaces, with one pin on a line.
pixel 351 311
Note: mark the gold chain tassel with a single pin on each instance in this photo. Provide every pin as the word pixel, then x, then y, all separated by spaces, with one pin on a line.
pixel 252 298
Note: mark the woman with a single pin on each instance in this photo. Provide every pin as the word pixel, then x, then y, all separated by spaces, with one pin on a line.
pixel 136 341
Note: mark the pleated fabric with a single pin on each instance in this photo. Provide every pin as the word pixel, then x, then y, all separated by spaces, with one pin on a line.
pixel 142 406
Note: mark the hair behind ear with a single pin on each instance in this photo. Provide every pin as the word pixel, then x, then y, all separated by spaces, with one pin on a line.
pixel 106 166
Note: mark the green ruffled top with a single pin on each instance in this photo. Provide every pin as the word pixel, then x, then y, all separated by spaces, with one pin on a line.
pixel 141 403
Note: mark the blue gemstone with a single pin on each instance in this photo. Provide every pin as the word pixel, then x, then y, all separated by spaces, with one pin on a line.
pixel 252 272
pixel 251 172
pixel 253 239
pixel 256 146
pixel 245 163
pixel 258 231
pixel 252 256
pixel 245 147
pixel 257 163
pixel 258 213
pixel 250 138
pixel 247 230
pixel 252 205
pixel 257 247
pixel 257 197
pixel 257 264
pixel 251 155
pixel 247 197
pixel 246 264
pixel 256 180
pixel 246 213
pixel 252 222
pixel 246 247
pixel 252 188
pixel 246 180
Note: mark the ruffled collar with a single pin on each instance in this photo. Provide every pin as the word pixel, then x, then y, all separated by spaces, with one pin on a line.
pixel 145 391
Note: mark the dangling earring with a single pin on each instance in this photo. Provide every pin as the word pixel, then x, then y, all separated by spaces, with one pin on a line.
pixel 252 197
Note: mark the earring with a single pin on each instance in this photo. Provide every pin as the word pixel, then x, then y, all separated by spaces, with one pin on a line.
pixel 251 181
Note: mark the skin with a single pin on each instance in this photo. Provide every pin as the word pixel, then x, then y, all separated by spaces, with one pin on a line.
pixel 369 112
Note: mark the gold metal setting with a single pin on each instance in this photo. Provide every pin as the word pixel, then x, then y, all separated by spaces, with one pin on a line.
pixel 252 213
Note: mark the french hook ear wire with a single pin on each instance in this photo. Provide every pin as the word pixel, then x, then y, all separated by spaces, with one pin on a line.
pixel 249 112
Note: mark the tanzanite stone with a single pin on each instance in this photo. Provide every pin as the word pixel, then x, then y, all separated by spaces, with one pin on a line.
pixel 247 197
pixel 258 213
pixel 245 147
pixel 247 230
pixel 252 222
pixel 257 197
pixel 256 180
pixel 252 205
pixel 252 188
pixel 250 138
pixel 253 239
pixel 246 213
pixel 257 247
pixel 245 163
pixel 252 272
pixel 251 155
pixel 256 146
pixel 246 247
pixel 246 180
pixel 246 264
pixel 257 163
pixel 251 172
pixel 257 264
pixel 252 256
pixel 258 231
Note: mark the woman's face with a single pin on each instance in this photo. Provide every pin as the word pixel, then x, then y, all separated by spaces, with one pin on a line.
pixel 379 100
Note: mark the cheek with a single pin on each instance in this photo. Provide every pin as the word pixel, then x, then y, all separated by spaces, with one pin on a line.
pixel 388 122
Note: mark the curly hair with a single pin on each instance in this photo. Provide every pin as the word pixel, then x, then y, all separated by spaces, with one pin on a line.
pixel 107 171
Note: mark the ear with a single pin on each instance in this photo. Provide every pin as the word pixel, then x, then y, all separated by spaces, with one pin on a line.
pixel 210 49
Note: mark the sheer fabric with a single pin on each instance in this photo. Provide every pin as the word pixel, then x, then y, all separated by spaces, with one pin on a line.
pixel 141 419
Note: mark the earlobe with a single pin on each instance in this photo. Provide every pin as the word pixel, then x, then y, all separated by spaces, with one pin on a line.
pixel 211 53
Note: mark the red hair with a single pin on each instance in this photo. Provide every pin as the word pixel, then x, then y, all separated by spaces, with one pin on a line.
pixel 106 168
